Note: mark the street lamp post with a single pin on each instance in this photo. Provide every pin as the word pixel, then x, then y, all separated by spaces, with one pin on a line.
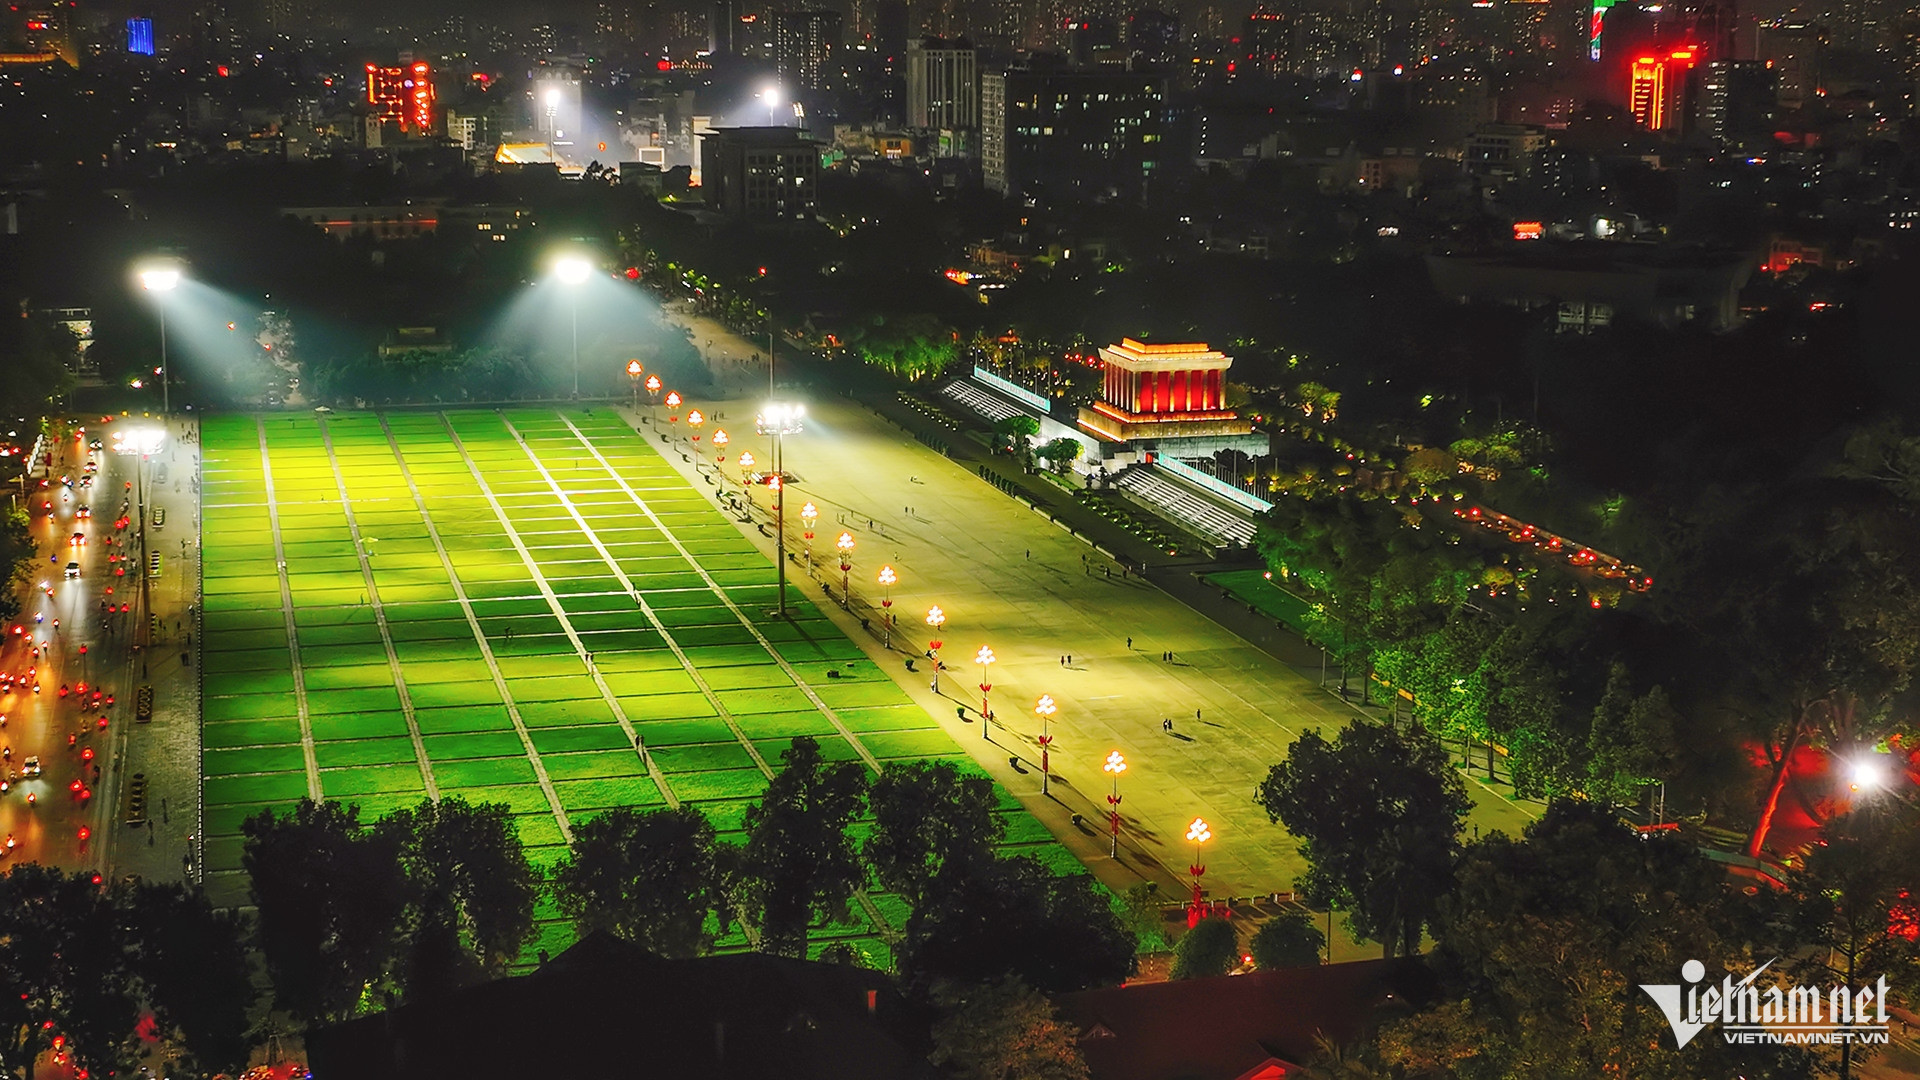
pixel 573 272
pixel 634 368
pixel 1046 708
pixel 720 441
pixel 673 417
pixel 161 279
pixel 887 578
pixel 807 515
pixel 694 420
pixel 984 658
pixel 1198 833
pixel 935 618
pixel 845 544
pixel 1116 764
pixel 653 391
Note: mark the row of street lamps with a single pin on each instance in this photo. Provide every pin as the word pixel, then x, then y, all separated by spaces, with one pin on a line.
pixel 777 419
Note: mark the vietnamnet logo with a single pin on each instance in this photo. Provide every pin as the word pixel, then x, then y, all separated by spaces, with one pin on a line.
pixel 1775 1015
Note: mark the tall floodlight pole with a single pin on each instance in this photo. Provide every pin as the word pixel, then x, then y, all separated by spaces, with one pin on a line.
pixel 161 279
pixel 573 272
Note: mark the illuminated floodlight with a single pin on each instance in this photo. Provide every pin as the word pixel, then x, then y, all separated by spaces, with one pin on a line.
pixel 1867 774
pixel 160 277
pixel 142 440
pixel 572 270
pixel 780 418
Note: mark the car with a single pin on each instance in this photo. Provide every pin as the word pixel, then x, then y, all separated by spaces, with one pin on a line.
pixel 94 445
pixel 86 481
pixel 78 539
pixel 30 768
pixel 82 512
pixel 73 569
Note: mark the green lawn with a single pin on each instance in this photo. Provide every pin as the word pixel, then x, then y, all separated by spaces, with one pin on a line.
pixel 1255 587
pixel 502 551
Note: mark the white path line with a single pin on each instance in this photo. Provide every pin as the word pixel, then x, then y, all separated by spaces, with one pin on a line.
pixel 553 604
pixel 286 610
pixel 792 673
pixel 653 618
pixel 380 616
pixel 479 635
pixel 860 896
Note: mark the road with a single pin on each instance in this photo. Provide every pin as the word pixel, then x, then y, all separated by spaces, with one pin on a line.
pixel 72 815
pixel 1119 656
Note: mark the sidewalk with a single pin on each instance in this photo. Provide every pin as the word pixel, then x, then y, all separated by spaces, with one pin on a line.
pixel 165 751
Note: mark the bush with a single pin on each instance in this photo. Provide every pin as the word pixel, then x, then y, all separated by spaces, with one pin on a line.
pixel 1288 941
pixel 1211 948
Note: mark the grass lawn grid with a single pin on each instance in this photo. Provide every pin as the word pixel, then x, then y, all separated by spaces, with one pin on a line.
pixel 362 740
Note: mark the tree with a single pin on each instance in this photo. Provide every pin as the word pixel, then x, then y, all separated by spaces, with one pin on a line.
pixel 648 876
pixel 196 975
pixel 1212 947
pixel 39 354
pixel 64 970
pixel 1288 940
pixel 1003 1031
pixel 911 347
pixel 332 902
pixel 471 880
pixel 929 820
pixel 1015 433
pixel 800 864
pixel 1851 909
pixel 1378 816
pixel 1061 453
pixel 1143 911
pixel 1016 917
pixel 1632 742
pixel 1546 936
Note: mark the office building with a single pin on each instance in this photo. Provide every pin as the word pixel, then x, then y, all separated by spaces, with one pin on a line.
pixel 722 22
pixel 760 172
pixel 890 30
pixel 1796 52
pixel 402 96
pixel 803 46
pixel 1737 102
pixel 1266 43
pixel 943 87
pixel 1071 133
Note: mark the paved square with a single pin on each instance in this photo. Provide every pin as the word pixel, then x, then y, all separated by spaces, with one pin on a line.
pixel 498 605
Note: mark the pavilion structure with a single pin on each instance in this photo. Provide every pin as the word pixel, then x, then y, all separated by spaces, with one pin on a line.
pixel 1165 397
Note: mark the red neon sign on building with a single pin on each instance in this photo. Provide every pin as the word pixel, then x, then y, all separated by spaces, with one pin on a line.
pixel 402 95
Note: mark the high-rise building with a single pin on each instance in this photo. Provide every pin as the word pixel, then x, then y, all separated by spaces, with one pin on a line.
pixel 1266 43
pixel 1074 133
pixel 1152 36
pixel 1736 102
pixel 803 46
pixel 140 37
pixel 760 172
pixel 890 30
pixel 1660 86
pixel 1796 52
pixel 722 22
pixel 943 87
pixel 402 96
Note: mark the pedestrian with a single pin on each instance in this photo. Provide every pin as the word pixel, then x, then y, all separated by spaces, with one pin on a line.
pixel 1069 659
pixel 1167 725
pixel 1029 554
pixel 1196 714
pixel 1129 642
pixel 164 816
